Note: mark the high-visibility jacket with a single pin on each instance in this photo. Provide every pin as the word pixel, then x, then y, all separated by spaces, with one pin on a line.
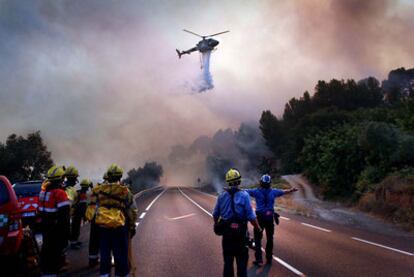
pixel 54 211
pixel 114 196
pixel 71 193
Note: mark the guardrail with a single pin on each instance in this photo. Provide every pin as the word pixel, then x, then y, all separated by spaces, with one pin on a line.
pixel 144 191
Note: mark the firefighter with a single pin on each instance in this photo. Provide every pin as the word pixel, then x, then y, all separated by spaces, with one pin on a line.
pixel 79 209
pixel 115 216
pixel 232 211
pixel 72 174
pixel 54 211
pixel 93 233
pixel 265 202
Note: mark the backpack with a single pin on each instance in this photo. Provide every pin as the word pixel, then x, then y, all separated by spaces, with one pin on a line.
pixel 234 227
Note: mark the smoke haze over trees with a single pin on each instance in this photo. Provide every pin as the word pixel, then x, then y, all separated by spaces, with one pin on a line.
pixel 102 68
pixel 144 177
pixel 23 159
pixel 209 158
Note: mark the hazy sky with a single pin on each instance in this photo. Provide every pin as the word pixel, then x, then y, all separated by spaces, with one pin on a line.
pixel 102 82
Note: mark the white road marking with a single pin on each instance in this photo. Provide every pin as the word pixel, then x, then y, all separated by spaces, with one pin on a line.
pixel 155 199
pixel 316 227
pixel 285 218
pixel 205 193
pixel 136 224
pixel 285 264
pixel 383 246
pixel 180 217
pixel 195 203
pixel 142 215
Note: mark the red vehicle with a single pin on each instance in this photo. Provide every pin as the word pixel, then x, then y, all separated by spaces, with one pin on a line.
pixel 28 199
pixel 11 232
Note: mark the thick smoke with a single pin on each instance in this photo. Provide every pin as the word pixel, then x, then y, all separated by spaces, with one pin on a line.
pixel 102 83
pixel 206 80
pixel 206 160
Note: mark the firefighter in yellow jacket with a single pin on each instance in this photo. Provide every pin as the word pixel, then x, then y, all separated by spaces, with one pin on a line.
pixel 72 174
pixel 116 215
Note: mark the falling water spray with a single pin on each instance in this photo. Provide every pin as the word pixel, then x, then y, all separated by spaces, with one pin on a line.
pixel 206 80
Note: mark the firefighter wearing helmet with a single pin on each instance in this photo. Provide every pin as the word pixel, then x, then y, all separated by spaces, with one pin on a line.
pixel 54 210
pixel 115 217
pixel 265 202
pixel 79 208
pixel 72 174
pixel 231 214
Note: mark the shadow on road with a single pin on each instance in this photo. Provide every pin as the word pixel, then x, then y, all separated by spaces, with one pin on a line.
pixel 262 271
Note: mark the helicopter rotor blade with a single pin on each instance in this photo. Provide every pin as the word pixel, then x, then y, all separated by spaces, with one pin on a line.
pixel 218 34
pixel 193 33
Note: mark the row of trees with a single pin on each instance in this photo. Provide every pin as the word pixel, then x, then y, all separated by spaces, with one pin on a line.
pixel 24 158
pixel 27 158
pixel 347 136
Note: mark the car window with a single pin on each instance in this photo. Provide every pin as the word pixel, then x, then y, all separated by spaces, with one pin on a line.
pixel 27 189
pixel 4 193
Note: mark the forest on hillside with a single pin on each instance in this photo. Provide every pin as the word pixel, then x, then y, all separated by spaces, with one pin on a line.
pixel 353 139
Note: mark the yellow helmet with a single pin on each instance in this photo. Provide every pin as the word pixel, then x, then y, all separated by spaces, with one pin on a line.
pixel 71 171
pixel 233 175
pixel 86 183
pixel 114 171
pixel 55 173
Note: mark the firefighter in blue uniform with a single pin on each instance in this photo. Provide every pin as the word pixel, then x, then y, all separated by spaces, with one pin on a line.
pixel 265 201
pixel 234 210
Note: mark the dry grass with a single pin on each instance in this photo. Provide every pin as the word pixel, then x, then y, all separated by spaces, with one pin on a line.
pixel 393 212
pixel 287 203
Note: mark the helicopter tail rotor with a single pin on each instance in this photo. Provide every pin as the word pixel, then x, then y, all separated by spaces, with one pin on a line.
pixel 179 53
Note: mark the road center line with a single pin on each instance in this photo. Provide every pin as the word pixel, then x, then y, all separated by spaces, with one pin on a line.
pixel 285 218
pixel 142 215
pixel 155 199
pixel 180 217
pixel 280 261
pixel 316 227
pixel 195 203
pixel 383 246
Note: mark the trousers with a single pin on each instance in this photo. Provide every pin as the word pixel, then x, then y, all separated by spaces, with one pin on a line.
pixel 115 242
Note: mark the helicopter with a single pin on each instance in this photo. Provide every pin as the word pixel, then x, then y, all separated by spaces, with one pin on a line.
pixel 204 45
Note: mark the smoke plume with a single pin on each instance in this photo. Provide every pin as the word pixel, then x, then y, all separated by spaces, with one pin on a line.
pixel 206 160
pixel 101 81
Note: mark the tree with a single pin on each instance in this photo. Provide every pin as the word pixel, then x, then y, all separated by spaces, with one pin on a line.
pixel 144 177
pixel 24 159
pixel 272 132
pixel 333 160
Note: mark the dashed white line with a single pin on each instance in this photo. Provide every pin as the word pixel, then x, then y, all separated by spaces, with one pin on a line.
pixel 285 264
pixel 155 199
pixel 142 215
pixel 285 218
pixel 383 246
pixel 316 227
pixel 180 217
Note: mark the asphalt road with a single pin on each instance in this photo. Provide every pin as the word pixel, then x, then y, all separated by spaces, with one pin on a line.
pixel 175 238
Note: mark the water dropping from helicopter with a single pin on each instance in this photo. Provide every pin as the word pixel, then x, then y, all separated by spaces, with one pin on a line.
pixel 204 46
